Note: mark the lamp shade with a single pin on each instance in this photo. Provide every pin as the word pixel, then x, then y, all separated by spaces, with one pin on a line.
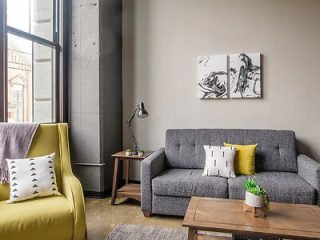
pixel 142 112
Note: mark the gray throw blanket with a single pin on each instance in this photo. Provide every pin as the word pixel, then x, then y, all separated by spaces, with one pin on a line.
pixel 15 141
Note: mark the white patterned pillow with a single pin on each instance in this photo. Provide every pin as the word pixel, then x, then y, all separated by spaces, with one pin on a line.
pixel 219 161
pixel 32 177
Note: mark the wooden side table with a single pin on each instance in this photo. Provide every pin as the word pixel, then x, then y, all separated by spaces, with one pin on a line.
pixel 129 190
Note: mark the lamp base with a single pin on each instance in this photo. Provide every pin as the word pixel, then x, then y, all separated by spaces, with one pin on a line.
pixel 134 152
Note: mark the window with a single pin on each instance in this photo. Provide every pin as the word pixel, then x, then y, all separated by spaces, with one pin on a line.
pixel 32 63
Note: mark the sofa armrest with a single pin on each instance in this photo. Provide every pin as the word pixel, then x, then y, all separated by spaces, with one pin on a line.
pixel 309 170
pixel 151 167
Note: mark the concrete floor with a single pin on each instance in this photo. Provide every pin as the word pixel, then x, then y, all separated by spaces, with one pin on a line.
pixel 102 218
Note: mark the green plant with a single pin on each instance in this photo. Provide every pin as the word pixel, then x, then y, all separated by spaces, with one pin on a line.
pixel 128 150
pixel 251 186
pixel 140 151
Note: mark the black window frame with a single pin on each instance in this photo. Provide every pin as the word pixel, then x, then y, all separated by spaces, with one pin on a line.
pixel 60 45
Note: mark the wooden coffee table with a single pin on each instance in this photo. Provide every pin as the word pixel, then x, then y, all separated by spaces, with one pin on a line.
pixel 290 221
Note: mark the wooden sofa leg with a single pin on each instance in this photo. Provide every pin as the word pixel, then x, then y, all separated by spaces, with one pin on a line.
pixel 146 213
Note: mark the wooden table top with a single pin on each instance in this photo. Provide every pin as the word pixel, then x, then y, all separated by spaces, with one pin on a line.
pixel 122 154
pixel 293 221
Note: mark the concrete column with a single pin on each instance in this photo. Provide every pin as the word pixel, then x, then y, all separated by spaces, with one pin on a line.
pixel 96 97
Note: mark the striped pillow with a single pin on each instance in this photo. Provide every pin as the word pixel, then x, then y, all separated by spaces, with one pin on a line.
pixel 219 161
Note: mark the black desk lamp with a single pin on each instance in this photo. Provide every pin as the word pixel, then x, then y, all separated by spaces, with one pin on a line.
pixel 141 112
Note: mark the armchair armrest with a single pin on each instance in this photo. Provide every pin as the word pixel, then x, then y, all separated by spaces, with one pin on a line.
pixel 71 186
pixel 151 167
pixel 72 190
pixel 309 170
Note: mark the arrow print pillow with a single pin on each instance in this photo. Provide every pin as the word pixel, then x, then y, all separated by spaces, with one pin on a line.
pixel 31 178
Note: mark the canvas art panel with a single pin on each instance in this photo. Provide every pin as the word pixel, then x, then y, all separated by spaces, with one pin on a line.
pixel 245 75
pixel 213 77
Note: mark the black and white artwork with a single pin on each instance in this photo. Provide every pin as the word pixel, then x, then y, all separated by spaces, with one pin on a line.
pixel 213 78
pixel 245 75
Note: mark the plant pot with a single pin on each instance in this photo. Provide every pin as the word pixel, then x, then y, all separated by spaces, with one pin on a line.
pixel 140 154
pixel 254 200
pixel 128 153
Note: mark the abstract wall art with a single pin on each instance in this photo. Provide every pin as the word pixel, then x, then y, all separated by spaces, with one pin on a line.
pixel 212 78
pixel 229 76
pixel 245 75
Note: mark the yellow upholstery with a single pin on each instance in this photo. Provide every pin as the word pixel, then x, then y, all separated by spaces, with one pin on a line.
pixel 50 218
pixel 43 218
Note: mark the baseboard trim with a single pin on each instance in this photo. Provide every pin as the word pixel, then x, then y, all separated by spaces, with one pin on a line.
pixel 98 195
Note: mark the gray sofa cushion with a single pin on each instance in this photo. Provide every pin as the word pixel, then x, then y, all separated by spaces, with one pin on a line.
pixel 167 205
pixel 189 182
pixel 275 150
pixel 281 186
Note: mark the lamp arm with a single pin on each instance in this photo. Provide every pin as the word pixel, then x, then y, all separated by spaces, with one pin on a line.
pixel 134 140
pixel 129 122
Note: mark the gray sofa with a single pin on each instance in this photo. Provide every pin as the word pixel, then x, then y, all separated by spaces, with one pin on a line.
pixel 171 175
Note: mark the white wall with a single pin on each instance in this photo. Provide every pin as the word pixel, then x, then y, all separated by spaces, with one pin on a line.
pixel 162 39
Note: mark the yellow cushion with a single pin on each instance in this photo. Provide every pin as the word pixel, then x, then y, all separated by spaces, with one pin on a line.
pixel 244 162
pixel 47 218
pixel 4 192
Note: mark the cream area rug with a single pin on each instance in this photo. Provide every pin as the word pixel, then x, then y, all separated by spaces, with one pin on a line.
pixel 140 232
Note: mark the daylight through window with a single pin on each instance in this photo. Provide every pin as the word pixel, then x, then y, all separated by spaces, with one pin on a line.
pixel 32 49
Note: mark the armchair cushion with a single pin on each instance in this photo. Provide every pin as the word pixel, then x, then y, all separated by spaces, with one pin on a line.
pixel 281 186
pixel 49 218
pixel 189 182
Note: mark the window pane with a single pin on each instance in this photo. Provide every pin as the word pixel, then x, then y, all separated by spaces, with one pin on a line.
pixel 32 16
pixel 31 81
pixel 43 83
pixel 19 79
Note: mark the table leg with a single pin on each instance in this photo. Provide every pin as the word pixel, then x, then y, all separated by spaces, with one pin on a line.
pixel 126 170
pixel 254 212
pixel 114 182
pixel 191 234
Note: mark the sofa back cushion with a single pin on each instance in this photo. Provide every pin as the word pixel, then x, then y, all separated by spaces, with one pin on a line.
pixel 275 151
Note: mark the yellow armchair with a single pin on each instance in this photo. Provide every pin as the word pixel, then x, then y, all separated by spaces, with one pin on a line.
pixel 54 217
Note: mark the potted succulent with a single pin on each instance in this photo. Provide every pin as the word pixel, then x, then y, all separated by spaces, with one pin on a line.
pixel 140 152
pixel 128 152
pixel 256 196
